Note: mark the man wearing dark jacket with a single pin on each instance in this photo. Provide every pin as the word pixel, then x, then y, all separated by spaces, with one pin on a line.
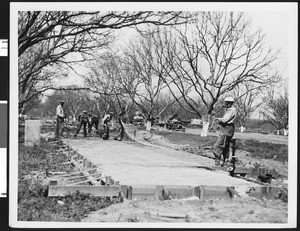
pixel 94 121
pixel 120 120
pixel 83 120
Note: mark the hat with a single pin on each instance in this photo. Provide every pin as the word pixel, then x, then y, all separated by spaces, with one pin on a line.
pixel 62 101
pixel 229 99
pixel 84 112
pixel 111 113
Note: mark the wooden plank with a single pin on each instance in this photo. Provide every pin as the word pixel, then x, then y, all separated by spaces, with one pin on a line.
pixel 251 180
pixel 102 191
pixel 86 181
pixel 75 173
pixel 143 191
pixel 89 164
pixel 83 176
pixel 158 192
pixel 232 192
pixel 216 192
pixel 58 173
pixel 268 192
pixel 84 162
pixel 129 193
pixel 169 215
pixel 124 191
pixel 196 191
pixel 177 192
pixel 202 190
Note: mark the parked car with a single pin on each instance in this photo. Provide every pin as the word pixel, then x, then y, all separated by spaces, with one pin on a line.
pixel 138 120
pixel 175 125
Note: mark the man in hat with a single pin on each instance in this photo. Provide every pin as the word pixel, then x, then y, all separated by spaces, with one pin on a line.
pixel 83 120
pixel 221 147
pixel 106 119
pixel 60 117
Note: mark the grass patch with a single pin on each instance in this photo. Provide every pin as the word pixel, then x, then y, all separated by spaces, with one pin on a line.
pixel 264 150
pixel 34 206
pixel 255 148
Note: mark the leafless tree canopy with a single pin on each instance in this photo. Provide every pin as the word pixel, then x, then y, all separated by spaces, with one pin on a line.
pixel 247 101
pixel 211 57
pixel 191 59
pixel 276 110
pixel 47 41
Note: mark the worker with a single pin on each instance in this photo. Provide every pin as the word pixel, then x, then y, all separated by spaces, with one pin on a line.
pixel 226 132
pixel 83 120
pixel 60 118
pixel 120 136
pixel 106 119
pixel 94 121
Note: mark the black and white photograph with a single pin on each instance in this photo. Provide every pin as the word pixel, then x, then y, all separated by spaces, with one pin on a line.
pixel 153 115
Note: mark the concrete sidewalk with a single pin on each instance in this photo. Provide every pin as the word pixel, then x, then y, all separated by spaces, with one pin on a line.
pixel 132 163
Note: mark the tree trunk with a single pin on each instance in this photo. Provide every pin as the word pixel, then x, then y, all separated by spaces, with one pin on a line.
pixel 148 125
pixel 205 127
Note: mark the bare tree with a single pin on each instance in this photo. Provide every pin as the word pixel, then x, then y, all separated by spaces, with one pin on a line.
pixel 51 43
pixel 208 59
pixel 76 102
pixel 146 70
pixel 104 81
pixel 248 99
pixel 276 110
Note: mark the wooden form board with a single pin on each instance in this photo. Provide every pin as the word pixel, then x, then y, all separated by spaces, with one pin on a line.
pixel 100 191
pixel 159 191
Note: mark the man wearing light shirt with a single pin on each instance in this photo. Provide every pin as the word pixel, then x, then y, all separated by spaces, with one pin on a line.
pixel 60 116
pixel 226 133
pixel 106 119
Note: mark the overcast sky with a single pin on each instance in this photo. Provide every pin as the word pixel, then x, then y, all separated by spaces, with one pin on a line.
pixel 275 26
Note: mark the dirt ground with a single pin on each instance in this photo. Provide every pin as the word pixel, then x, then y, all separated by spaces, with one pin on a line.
pixel 192 210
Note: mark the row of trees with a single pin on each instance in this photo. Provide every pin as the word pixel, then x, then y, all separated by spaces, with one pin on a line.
pixel 178 60
pixel 52 42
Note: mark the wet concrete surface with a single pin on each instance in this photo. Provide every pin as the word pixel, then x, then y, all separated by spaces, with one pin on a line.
pixel 133 163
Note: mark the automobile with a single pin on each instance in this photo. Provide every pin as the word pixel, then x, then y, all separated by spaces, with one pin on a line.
pixel 195 123
pixel 138 120
pixel 175 125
